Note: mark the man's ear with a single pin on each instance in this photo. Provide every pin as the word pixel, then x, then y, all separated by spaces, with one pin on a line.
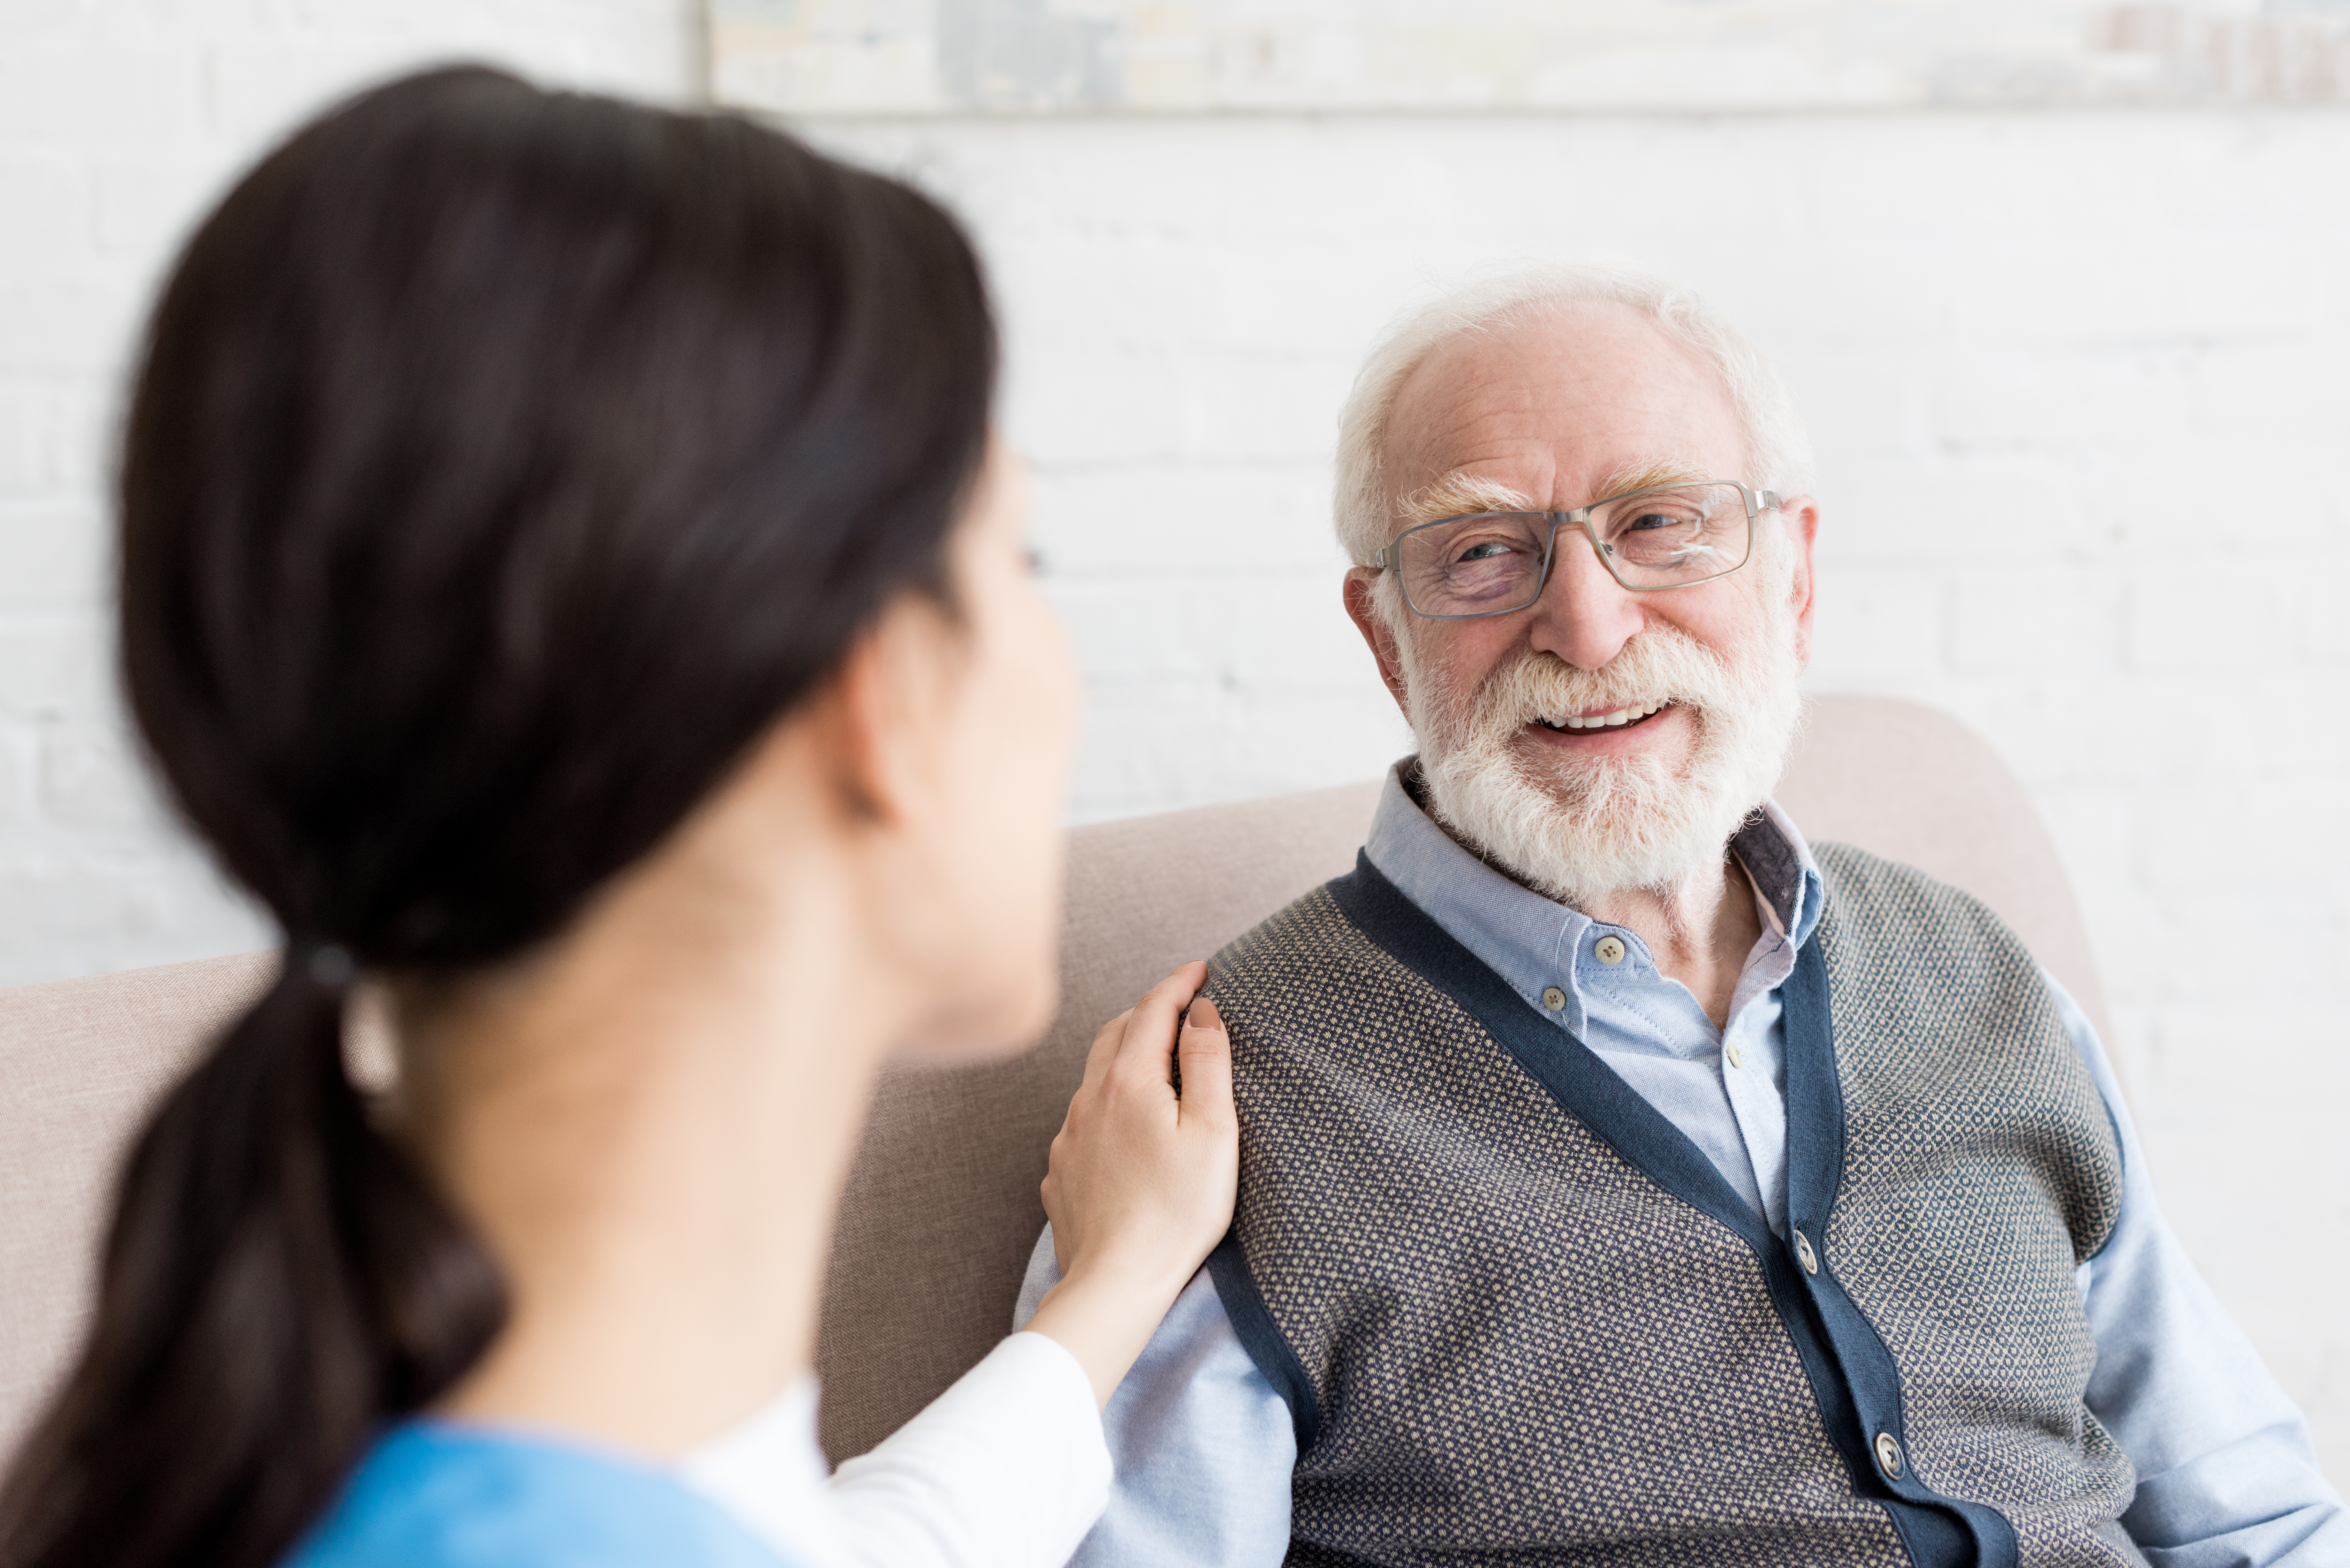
pixel 1801 515
pixel 1361 582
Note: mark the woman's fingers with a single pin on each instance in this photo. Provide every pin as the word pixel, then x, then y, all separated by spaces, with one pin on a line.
pixel 1142 1041
pixel 1149 1046
pixel 1140 1183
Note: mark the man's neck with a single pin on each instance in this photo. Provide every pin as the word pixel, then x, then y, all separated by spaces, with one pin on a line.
pixel 1701 932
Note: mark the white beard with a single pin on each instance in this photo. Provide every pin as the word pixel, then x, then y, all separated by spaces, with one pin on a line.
pixel 1579 828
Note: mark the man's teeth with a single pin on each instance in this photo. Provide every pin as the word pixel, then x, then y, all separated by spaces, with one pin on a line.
pixel 1602 720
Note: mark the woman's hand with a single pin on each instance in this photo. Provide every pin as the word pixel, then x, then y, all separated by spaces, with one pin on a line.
pixel 1142 1180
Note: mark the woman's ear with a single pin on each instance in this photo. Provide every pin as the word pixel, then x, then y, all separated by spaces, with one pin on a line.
pixel 883 717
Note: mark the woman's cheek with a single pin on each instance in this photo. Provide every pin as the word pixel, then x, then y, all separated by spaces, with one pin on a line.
pixel 1047 725
pixel 1011 773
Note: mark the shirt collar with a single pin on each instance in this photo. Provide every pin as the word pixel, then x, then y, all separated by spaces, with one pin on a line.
pixel 1779 859
pixel 1531 941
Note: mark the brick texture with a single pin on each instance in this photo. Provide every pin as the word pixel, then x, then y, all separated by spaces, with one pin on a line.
pixel 2074 379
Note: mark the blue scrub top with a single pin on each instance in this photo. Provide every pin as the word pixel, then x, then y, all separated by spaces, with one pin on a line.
pixel 435 1494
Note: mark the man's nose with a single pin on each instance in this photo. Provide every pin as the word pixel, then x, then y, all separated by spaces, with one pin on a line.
pixel 1583 616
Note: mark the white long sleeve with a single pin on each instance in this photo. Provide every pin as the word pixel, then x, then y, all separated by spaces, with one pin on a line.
pixel 1007 1468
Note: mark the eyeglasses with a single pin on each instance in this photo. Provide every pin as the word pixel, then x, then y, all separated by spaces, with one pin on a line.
pixel 1490 562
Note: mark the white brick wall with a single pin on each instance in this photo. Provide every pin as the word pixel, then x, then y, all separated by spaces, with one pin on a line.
pixel 2106 345
pixel 120 121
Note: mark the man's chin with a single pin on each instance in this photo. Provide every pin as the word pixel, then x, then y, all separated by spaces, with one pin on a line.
pixel 1577 819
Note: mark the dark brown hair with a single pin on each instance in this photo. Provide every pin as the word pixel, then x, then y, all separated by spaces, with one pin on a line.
pixel 502 464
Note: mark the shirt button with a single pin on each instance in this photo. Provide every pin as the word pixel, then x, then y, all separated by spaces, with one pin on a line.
pixel 1888 1455
pixel 1553 998
pixel 1804 1255
pixel 1610 950
pixel 1731 1050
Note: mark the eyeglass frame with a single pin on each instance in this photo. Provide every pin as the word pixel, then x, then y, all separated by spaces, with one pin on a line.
pixel 1390 554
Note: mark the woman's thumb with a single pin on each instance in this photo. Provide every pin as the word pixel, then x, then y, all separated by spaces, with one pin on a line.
pixel 1206 1053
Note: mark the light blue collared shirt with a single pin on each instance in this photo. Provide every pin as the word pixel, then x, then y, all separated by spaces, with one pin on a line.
pixel 2227 1476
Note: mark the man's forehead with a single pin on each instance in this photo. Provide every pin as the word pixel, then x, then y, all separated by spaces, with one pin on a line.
pixel 1562 409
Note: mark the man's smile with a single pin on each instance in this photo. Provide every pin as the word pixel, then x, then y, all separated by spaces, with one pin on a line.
pixel 1610 718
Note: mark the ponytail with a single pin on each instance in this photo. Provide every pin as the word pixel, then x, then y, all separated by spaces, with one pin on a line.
pixel 279 1279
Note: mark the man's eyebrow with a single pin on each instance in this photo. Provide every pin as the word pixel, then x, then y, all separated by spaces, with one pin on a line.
pixel 1458 493
pixel 1650 474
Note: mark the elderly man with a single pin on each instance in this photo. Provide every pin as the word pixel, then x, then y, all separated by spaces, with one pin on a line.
pixel 1625 1179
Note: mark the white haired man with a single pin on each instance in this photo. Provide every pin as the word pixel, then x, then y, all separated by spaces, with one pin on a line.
pixel 1623 1178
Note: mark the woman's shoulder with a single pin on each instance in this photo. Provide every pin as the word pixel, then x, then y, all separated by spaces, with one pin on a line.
pixel 435 1494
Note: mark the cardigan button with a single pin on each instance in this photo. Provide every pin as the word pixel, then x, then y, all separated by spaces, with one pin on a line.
pixel 1809 1259
pixel 1888 1455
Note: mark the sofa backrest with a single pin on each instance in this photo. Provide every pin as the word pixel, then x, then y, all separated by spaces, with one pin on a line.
pixel 941 1207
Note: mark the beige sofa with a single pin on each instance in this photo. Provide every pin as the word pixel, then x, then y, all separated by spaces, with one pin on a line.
pixel 942 1209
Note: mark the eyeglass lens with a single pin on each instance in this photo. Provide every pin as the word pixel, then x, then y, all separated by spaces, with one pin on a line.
pixel 1492 562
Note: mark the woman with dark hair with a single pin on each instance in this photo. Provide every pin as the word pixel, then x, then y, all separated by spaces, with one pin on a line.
pixel 567 576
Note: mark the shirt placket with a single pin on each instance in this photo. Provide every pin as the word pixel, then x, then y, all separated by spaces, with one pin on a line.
pixel 1753 1077
pixel 1753 1057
